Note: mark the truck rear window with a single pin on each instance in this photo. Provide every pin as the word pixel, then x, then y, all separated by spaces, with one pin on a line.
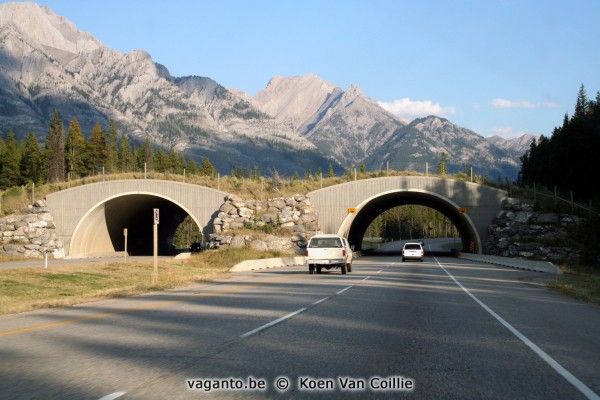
pixel 333 242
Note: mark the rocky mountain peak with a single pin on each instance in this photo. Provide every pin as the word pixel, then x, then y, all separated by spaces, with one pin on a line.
pixel 42 26
pixel 294 99
pixel 296 123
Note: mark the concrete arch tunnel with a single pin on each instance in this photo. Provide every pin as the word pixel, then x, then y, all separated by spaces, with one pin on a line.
pixel 101 230
pixel 90 219
pixel 371 197
pixel 355 225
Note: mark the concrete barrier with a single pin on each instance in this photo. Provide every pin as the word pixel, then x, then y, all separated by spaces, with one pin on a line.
pixel 518 263
pixel 249 265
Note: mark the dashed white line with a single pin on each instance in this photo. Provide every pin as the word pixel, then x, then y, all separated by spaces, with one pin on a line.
pixel 113 396
pixel 260 328
pixel 343 290
pixel 582 387
pixel 320 301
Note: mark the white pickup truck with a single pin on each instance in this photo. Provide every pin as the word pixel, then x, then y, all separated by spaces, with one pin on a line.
pixel 328 251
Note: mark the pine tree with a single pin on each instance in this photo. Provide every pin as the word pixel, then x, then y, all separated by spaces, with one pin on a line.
pixel 160 161
pixel 126 158
pixel 192 168
pixel 112 152
pixel 148 154
pixel 442 168
pixel 96 150
pixel 10 173
pixel 32 162
pixel 54 153
pixel 207 169
pixel 172 162
pixel 75 151
pixel 582 105
pixel 330 172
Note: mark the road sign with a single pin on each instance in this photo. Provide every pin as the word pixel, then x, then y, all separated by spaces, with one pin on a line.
pixel 351 210
pixel 462 210
pixel 156 216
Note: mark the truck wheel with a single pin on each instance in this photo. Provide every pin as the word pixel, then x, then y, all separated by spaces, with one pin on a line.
pixel 343 266
pixel 311 269
pixel 349 267
pixel 318 269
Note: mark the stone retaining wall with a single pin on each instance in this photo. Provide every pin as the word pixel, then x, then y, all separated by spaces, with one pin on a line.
pixel 30 234
pixel 295 213
pixel 519 231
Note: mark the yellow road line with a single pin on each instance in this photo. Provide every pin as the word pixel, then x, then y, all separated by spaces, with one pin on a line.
pixel 146 307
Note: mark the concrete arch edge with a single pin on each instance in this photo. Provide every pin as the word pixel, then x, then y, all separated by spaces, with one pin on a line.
pixel 344 229
pixel 100 232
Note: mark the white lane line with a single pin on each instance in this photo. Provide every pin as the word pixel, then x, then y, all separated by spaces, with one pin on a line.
pixel 113 396
pixel 275 322
pixel 343 290
pixel 582 387
pixel 320 301
pixel 260 328
pixel 365 278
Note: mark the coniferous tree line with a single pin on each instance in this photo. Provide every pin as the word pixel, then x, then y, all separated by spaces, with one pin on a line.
pixel 411 222
pixel 567 159
pixel 71 156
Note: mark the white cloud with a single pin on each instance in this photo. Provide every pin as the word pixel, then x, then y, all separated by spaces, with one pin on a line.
pixel 416 108
pixel 503 103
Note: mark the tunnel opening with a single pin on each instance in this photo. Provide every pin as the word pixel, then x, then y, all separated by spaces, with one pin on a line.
pixel 355 226
pixel 101 231
pixel 412 223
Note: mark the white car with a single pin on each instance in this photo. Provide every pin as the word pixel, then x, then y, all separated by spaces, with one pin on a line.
pixel 413 251
pixel 328 251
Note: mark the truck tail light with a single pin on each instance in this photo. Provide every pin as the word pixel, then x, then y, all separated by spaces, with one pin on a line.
pixel 344 253
pixel 306 253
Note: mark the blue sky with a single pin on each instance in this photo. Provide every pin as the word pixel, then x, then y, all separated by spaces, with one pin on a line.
pixel 493 66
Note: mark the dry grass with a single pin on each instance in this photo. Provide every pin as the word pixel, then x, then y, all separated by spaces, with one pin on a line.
pixel 25 289
pixel 579 282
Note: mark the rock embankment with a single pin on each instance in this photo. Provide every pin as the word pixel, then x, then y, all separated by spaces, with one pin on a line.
pixel 293 215
pixel 519 231
pixel 30 234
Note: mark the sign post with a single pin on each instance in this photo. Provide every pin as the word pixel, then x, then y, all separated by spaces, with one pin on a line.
pixel 125 234
pixel 155 241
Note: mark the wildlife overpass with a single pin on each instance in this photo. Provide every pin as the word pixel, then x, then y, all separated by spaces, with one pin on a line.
pixel 91 219
pixel 349 208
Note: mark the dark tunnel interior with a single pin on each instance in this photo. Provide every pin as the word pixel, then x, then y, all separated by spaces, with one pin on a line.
pixel 136 213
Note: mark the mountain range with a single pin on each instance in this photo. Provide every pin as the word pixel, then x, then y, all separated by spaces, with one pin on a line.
pixel 295 124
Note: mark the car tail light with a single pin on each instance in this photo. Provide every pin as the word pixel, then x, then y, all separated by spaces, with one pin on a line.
pixel 344 253
pixel 422 253
pixel 306 253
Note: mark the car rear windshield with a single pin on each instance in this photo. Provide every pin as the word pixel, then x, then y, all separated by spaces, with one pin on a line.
pixel 412 246
pixel 329 242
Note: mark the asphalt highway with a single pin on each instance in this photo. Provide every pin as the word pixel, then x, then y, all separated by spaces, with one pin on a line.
pixel 441 329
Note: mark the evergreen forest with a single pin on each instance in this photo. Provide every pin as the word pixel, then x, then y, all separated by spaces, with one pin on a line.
pixel 566 159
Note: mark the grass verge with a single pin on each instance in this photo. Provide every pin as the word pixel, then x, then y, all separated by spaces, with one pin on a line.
pixel 579 282
pixel 26 289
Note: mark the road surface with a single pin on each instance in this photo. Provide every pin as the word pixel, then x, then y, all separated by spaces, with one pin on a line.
pixel 443 328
